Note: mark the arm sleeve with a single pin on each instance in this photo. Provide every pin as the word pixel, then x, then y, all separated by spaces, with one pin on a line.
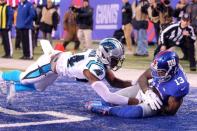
pixel 165 32
pixel 32 14
pixel 192 34
pixel 10 17
pixel 103 91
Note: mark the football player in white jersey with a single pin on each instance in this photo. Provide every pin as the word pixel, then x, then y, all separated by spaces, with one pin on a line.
pixel 91 65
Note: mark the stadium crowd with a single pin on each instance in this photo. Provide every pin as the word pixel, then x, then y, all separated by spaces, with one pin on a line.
pixel 29 19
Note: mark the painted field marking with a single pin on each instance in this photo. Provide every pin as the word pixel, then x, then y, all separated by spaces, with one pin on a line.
pixel 65 118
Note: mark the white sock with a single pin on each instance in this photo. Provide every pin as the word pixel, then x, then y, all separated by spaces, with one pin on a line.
pixel 1 73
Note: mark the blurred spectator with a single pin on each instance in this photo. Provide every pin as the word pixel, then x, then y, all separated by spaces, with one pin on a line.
pixel 49 20
pixel 18 34
pixel 70 26
pixel 85 24
pixel 192 10
pixel 140 23
pixel 164 10
pixel 6 17
pixel 36 23
pixel 126 23
pixel 24 24
pixel 180 34
pixel 180 9
pixel 119 35
pixel 154 18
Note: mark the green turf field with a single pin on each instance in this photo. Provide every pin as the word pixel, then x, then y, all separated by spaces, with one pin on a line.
pixel 131 61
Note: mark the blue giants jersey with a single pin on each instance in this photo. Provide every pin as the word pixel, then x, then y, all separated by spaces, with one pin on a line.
pixel 177 87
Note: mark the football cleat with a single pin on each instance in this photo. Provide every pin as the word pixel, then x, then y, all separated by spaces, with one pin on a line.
pixel 3 87
pixel 11 92
pixel 97 107
pixel 7 88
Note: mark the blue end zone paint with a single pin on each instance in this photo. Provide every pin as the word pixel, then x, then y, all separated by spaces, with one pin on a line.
pixel 69 97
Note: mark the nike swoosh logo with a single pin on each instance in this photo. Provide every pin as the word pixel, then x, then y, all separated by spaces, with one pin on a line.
pixel 183 88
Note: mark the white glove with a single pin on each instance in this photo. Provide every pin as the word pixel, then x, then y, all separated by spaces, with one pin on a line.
pixel 153 100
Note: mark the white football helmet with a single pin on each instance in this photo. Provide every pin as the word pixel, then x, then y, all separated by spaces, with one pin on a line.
pixel 111 53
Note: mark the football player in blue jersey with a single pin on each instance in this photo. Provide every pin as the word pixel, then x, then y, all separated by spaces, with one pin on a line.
pixel 91 65
pixel 165 78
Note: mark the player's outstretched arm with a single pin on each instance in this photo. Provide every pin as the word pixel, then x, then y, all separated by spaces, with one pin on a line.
pixel 172 106
pixel 116 82
pixel 103 91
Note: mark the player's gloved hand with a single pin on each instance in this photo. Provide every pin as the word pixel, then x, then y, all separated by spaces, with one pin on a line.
pixel 153 100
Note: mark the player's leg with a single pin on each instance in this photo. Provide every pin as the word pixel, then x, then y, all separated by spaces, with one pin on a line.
pixel 33 73
pixel 11 88
pixel 37 77
pixel 127 111
pixel 37 71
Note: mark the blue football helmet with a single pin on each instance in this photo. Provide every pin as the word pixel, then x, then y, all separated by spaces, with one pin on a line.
pixel 111 53
pixel 165 65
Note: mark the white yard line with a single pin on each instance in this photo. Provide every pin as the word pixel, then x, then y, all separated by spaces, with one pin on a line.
pixel 64 118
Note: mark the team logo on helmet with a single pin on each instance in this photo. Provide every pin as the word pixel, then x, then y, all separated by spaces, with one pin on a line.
pixel 171 63
pixel 108 46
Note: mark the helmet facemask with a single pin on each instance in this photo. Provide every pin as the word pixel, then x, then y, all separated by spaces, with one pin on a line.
pixel 161 74
pixel 116 63
pixel 111 62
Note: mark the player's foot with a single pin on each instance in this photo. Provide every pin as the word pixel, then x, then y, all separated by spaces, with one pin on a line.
pixel 3 87
pixel 11 92
pixel 7 88
pixel 97 107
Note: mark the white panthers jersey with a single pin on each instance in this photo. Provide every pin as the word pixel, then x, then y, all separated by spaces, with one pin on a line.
pixel 74 65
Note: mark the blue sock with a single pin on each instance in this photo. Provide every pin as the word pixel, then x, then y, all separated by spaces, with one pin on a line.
pixel 20 87
pixel 13 75
pixel 129 111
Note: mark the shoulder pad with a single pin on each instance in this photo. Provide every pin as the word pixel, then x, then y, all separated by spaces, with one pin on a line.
pixel 96 69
